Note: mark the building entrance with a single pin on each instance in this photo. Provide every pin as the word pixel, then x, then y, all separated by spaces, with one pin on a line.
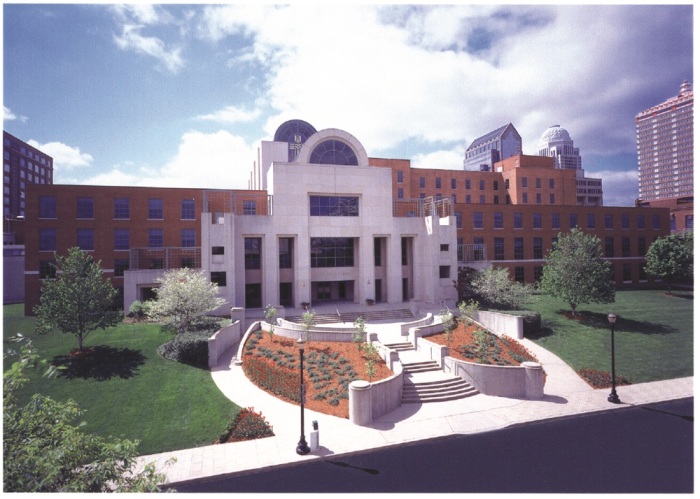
pixel 333 290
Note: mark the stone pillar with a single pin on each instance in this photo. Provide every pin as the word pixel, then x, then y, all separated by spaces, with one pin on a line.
pixel 238 314
pixel 360 402
pixel 534 380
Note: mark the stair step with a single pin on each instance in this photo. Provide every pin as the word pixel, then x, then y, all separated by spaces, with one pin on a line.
pixel 421 367
pixel 435 385
pixel 454 395
pixel 400 347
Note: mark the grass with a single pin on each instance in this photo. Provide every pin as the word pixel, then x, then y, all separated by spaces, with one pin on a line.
pixel 131 392
pixel 653 334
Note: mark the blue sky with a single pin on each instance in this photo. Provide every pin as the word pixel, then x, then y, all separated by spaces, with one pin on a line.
pixel 181 95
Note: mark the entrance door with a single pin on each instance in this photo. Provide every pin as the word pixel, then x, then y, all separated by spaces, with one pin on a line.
pixel 377 290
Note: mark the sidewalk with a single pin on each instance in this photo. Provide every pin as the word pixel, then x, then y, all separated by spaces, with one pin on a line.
pixel 565 394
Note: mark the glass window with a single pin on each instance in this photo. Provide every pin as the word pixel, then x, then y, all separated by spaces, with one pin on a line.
pixel 217 250
pixel 332 252
pixel 399 176
pixel 498 220
pixel 188 238
pixel 47 239
pixel 641 246
pixel 458 219
pixel 187 209
pixel 478 219
pixel 610 247
pixel 250 207
pixel 467 184
pixel 253 253
pixel 86 239
pixel 482 199
pixel 155 238
pixel 121 239
pixel 400 192
pixel 438 183
pixel 551 199
pixel 524 181
pixel 642 271
pixel 444 271
pixel 499 252
pixel 218 278
pixel 518 248
pixel 608 221
pixel 656 222
pixel 517 220
pixel 625 220
pixel 47 269
pixel 524 197
pixel 421 182
pixel 538 198
pixel 47 206
pixel 253 295
pixel 495 185
pixel 520 274
pixel 286 246
pixel 120 265
pixel 539 270
pixel 468 199
pixel 573 220
pixel 155 209
pixel 537 220
pixel 626 247
pixel 334 206
pixel 551 183
pixel 626 272
pixel 333 152
pixel 537 248
pixel 590 220
pixel 538 183
pixel 641 221
pixel 85 207
pixel 482 185
pixel 453 183
pixel 556 223
pixel 121 208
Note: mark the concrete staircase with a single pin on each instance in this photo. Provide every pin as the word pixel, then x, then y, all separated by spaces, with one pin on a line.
pixel 424 380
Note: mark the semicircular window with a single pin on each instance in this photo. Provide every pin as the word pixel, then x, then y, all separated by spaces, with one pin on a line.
pixel 333 152
pixel 295 133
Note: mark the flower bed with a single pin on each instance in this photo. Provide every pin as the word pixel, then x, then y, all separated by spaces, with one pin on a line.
pixel 601 379
pixel 248 425
pixel 272 363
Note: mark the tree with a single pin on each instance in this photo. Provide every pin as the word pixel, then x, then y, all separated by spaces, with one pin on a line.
pixel 448 323
pixel 358 336
pixel 44 452
pixel 78 300
pixel 575 271
pixel 184 297
pixel 495 286
pixel 271 317
pixel 671 258
pixel 308 319
pixel 467 310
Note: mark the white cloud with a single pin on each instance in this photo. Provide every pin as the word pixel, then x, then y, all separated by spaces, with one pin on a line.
pixel 231 114
pixel 132 40
pixel 8 115
pixel 447 160
pixel 204 160
pixel 620 188
pixel 64 156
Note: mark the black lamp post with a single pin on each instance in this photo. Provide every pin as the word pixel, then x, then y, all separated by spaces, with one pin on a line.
pixel 613 398
pixel 302 447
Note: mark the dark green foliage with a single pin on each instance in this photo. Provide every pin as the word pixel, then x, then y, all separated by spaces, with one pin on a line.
pixel 671 258
pixel 189 348
pixel 247 425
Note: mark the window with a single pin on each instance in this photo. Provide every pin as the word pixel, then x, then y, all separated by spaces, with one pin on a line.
pixel 404 250
pixel 155 238
pixel 468 199
pixel 641 246
pixel 478 219
pixel 85 239
pixel 421 182
pixel 47 269
pixel 252 252
pixel 334 206
pixel 537 252
pixel 188 238
pixel 444 247
pixel 551 199
pixel 539 270
pixel 498 220
pixel 286 246
pixel 495 200
pixel 517 220
pixel 626 247
pixel 538 183
pixel 689 221
pixel 656 222
pixel 608 221
pixel 400 192
pixel 217 250
pixel 551 183
pixel 499 252
pixel 524 197
pixel 538 198
pixel 85 207
pixel 626 272
pixel 482 199
pixel 378 252
pixel 444 271
pixel 609 247
pixel 642 271
pixel 399 177
pixel 250 207
pixel 121 239
pixel 155 209
pixel 333 152
pixel 332 252
pixel 507 183
pixel 518 248
pixel 495 185
pixel 520 274
pixel 482 185
pixel 187 209
pixel 253 295
pixel 47 239
pixel 218 278
pixel 537 220
pixel 458 219
pixel 641 221
pixel 467 184
pixel 524 182
pixel 573 220
pixel 120 266
pixel 47 206
pixel 438 183
pixel 121 208
pixel 453 183
pixel 625 219
pixel 556 223
pixel 590 220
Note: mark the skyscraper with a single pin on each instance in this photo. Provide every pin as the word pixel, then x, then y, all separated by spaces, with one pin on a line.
pixel 665 156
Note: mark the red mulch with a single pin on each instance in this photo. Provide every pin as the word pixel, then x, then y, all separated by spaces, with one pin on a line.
pixel 345 349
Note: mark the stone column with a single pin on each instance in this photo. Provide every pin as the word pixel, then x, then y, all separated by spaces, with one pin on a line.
pixel 534 380
pixel 360 402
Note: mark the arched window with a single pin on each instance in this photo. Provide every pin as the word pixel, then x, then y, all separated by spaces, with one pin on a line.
pixel 333 152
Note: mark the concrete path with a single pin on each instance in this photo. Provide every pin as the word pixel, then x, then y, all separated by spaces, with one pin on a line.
pixel 565 395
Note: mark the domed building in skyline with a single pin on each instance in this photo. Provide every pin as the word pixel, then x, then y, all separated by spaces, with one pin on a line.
pixel 557 143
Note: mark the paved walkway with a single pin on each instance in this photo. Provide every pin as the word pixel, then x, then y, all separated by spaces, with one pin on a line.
pixel 565 395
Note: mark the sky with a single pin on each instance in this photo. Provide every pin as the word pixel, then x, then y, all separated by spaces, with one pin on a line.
pixel 180 95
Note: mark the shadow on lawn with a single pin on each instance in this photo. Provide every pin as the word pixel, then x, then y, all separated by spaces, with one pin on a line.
pixel 599 320
pixel 99 363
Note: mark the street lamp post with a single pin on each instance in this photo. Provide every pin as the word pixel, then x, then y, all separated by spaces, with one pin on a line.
pixel 302 446
pixel 613 398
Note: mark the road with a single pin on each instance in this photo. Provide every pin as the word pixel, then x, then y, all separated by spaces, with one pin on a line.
pixel 640 449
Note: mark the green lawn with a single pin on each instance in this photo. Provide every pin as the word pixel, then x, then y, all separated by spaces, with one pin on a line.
pixel 132 392
pixel 653 334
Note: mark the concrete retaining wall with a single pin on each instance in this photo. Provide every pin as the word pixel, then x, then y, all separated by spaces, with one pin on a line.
pixel 511 325
pixel 406 327
pixel 294 330
pixel 222 340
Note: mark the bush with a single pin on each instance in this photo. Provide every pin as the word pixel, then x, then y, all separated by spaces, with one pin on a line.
pixel 247 425
pixel 140 310
pixel 269 376
pixel 601 379
pixel 188 348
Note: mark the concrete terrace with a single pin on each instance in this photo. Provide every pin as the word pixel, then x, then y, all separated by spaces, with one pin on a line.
pixel 565 395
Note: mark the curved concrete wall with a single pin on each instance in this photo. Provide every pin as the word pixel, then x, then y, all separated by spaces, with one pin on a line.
pixel 222 340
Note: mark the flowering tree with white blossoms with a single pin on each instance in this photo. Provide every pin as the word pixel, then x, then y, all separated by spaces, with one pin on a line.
pixel 183 297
